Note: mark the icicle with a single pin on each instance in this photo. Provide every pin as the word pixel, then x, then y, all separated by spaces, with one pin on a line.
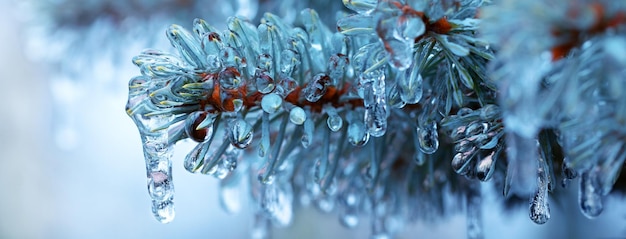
pixel 230 193
pixel 334 121
pixel 157 153
pixel 307 136
pixel 297 115
pixel 276 202
pixel 410 85
pixel 590 197
pixel 271 103
pixel 474 215
pixel 539 208
pixel 374 100
pixel 428 136
pixel 316 88
pixel 240 134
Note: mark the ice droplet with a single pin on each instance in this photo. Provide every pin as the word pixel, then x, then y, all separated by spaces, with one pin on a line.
pixel 334 121
pixel 297 115
pixel 271 103
pixel 428 137
pixel 486 166
pixel 489 112
pixel 316 87
pixel 410 85
pixel 357 134
pixel 199 126
pixel 195 159
pixel 348 218
pixel 263 82
pixel 394 99
pixel 590 198
pixel 240 133
pixel 230 78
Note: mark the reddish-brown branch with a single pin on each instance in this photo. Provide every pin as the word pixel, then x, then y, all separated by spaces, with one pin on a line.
pixel 575 36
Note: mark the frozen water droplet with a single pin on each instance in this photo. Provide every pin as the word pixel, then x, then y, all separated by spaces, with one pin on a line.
pixel 230 78
pixel 163 211
pixel 240 133
pixel 590 198
pixel 199 126
pixel 263 82
pixel 286 85
pixel 307 136
pixel 194 160
pixel 316 87
pixel 297 115
pixel 428 137
pixel 539 208
pixel 361 6
pixel 410 85
pixel 334 121
pixel 476 128
pixel 231 58
pixel 410 27
pixel 357 134
pixel 271 103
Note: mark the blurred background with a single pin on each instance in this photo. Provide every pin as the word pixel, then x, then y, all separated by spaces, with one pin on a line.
pixel 71 164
